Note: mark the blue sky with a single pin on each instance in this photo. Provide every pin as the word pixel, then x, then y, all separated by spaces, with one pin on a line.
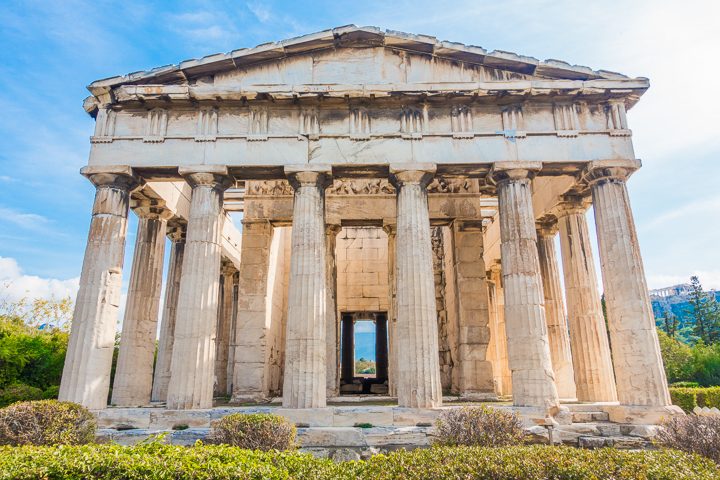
pixel 53 49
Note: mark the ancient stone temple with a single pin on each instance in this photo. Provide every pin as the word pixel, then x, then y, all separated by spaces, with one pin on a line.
pixel 381 177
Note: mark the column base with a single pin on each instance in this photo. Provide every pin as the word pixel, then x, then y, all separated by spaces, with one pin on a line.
pixel 642 414
pixel 249 398
pixel 543 416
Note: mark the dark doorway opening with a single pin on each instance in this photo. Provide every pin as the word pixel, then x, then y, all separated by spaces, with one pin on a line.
pixel 362 369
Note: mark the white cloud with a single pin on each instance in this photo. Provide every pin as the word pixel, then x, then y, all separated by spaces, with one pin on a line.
pixel 15 285
pixel 30 221
pixel 260 11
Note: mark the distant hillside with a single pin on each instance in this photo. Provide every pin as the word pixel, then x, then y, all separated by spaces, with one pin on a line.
pixel 678 305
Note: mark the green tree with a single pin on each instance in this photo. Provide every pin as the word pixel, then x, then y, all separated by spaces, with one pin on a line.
pixel 670 324
pixel 677 357
pixel 705 313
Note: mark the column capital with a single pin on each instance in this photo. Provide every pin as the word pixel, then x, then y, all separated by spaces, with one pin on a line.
pixel 390 229
pixel 113 176
pixel 319 176
pixel 412 173
pixel 214 176
pixel 572 205
pixel 177 232
pixel 150 208
pixel 547 227
pixel 502 172
pixel 332 229
pixel 227 269
pixel 610 170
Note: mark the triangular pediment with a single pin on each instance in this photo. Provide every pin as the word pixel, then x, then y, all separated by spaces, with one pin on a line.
pixel 357 55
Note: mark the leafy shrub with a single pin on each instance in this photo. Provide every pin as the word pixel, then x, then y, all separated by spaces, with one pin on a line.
pixel 222 462
pixel 478 426
pixel 685 398
pixel 52 392
pixel 46 422
pixel 257 431
pixel 685 384
pixel 19 392
pixel 692 433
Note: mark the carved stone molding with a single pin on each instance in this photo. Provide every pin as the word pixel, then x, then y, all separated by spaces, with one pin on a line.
pixel 452 185
pixel 268 187
pixel 361 186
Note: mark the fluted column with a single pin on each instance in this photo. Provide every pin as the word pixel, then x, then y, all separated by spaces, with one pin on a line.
pixel 636 352
pixel 418 366
pixel 594 378
pixel 86 374
pixel 193 357
pixel 558 335
pixel 222 340
pixel 497 300
pixel 167 324
pixel 391 231
pixel 332 325
pixel 533 379
pixel 304 383
pixel 134 372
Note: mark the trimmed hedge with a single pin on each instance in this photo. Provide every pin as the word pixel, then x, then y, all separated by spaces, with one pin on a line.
pixel 255 431
pixel 688 398
pixel 46 422
pixel 159 461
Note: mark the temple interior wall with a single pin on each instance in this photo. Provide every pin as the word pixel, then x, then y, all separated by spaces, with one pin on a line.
pixel 362 269
pixel 277 299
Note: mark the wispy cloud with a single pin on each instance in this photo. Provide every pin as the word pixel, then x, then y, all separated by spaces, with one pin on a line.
pixel 29 221
pixel 261 11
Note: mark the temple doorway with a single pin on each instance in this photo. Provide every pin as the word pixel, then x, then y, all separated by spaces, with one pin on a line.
pixel 364 353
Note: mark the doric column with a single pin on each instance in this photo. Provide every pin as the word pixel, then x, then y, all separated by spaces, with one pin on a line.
pixel 132 386
pixel 636 352
pixel 304 383
pixel 193 357
pixel 416 339
pixel 333 384
pixel 391 231
pixel 86 375
pixel 555 312
pixel 501 369
pixel 594 378
pixel 225 317
pixel 167 325
pixel 533 380
pixel 348 349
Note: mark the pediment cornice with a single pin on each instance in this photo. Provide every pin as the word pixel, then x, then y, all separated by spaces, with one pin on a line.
pixel 171 77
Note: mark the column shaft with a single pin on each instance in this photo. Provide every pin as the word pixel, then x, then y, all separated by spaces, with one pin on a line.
pixel 594 378
pixel 333 383
pixel 86 374
pixel 304 383
pixel 134 371
pixel 533 380
pixel 193 357
pixel 636 352
pixel 167 325
pixel 555 314
pixel 391 231
pixel 222 342
pixel 418 371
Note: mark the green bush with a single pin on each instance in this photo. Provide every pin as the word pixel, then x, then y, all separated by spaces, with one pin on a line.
pixel 46 422
pixel 685 384
pixel 257 431
pixel 688 398
pixel 19 392
pixel 478 426
pixel 52 392
pixel 220 462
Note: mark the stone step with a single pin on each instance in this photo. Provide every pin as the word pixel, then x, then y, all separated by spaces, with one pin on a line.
pixel 586 417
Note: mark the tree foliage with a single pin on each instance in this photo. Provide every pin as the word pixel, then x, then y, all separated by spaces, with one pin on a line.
pixel 705 312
